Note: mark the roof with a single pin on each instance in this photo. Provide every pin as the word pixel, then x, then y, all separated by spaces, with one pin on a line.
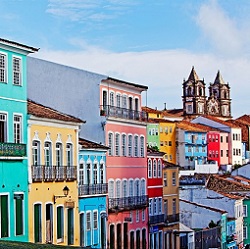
pixel 173 112
pixel 127 83
pixel 150 110
pixel 243 126
pixel 42 111
pixel 219 79
pixel 187 126
pixel 193 75
pixel 153 152
pixel 244 119
pixel 87 144
pixel 215 119
pixel 19 45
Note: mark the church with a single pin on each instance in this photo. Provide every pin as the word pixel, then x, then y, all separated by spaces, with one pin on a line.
pixel 196 103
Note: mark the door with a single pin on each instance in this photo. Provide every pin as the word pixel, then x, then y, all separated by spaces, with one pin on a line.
pixel 49 224
pixel 37 223
pixel 103 231
pixel 70 226
pixel 82 230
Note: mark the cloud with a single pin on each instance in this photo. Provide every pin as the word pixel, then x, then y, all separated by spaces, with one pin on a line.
pixel 226 34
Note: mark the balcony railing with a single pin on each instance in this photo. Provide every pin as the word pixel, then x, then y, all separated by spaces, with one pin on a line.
pixel 93 189
pixel 53 173
pixel 173 218
pixel 132 202
pixel 12 150
pixel 155 219
pixel 118 112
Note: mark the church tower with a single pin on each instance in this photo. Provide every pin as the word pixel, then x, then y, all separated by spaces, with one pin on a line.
pixel 194 97
pixel 219 102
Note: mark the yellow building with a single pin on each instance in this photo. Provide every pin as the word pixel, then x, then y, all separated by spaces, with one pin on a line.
pixel 171 205
pixel 53 160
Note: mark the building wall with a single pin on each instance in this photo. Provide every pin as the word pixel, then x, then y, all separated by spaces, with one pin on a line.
pixel 43 192
pixel 153 135
pixel 213 146
pixel 224 145
pixel 69 90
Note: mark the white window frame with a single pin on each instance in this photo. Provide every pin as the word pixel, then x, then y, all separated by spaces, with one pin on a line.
pixel 17 128
pixel 3 68
pixel 95 219
pixel 111 143
pixel 117 144
pixel 69 154
pixel 136 146
pixel 159 168
pixel 17 72
pixel 130 145
pixel 142 146
pixel 154 168
pixel 150 174
pixel 59 154
pixel 124 145
pixel 88 221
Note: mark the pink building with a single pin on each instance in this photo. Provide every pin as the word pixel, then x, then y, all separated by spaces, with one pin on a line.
pixel 125 129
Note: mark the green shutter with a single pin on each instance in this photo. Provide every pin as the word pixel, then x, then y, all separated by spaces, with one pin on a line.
pixel 4 216
pixel 37 221
pixel 19 216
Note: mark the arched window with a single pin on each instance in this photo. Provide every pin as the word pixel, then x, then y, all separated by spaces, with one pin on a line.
pixel 102 176
pixel 131 187
pixel 189 91
pixel 95 174
pixel 159 168
pixel 142 146
pixel 59 154
pixel 81 172
pixel 130 145
pixel 110 143
pixel 47 154
pixel 117 144
pixel 149 168
pixel 111 99
pixel 143 187
pixel 154 168
pixel 36 153
pixel 69 154
pixel 124 188
pixel 118 188
pixel 124 145
pixel 136 146
pixel 200 91
pixel 137 187
pixel 111 188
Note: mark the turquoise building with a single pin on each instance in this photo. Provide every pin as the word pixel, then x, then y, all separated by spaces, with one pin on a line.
pixel 13 141
pixel 93 191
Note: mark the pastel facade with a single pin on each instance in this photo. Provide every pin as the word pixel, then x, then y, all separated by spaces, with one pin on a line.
pixel 153 137
pixel 53 160
pixel 13 141
pixel 93 189
pixel 125 128
pixel 155 195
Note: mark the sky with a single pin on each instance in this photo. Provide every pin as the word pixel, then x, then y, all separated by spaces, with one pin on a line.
pixel 148 42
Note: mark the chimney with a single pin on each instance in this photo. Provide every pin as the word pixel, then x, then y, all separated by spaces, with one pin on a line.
pixel 165 106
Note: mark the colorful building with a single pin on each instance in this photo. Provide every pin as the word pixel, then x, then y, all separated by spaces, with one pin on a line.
pixel 155 194
pixel 53 160
pixel 153 137
pixel 93 190
pixel 13 141
pixel 125 127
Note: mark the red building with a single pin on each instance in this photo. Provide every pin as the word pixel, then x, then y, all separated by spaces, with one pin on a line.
pixel 213 146
pixel 155 195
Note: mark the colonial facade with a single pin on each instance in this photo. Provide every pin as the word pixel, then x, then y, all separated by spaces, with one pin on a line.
pixel 53 160
pixel 13 141
pixel 125 128
pixel 93 190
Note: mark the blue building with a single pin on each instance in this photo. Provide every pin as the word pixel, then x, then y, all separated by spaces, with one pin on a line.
pixel 92 194
pixel 13 141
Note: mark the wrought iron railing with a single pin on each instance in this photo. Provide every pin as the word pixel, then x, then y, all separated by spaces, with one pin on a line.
pixel 118 112
pixel 172 218
pixel 155 219
pixel 53 173
pixel 12 150
pixel 93 189
pixel 131 202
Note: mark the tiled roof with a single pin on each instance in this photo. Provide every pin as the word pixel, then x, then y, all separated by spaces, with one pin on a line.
pixel 243 126
pixel 220 121
pixel 244 119
pixel 150 110
pixel 172 113
pixel 42 111
pixel 86 144
pixel 153 152
pixel 160 120
pixel 206 207
pixel 187 126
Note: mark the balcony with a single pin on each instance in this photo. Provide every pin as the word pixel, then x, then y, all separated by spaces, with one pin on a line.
pixel 128 203
pixel 53 173
pixel 173 218
pixel 93 189
pixel 155 219
pixel 118 112
pixel 12 150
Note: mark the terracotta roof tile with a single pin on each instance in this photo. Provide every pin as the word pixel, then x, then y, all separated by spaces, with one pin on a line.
pixel 194 127
pixel 150 110
pixel 87 144
pixel 220 121
pixel 42 111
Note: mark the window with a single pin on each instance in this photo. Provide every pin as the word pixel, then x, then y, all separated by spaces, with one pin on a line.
pixel 4 212
pixel 102 179
pixel 111 99
pixel 124 188
pixel 3 127
pixel 17 128
pixel 170 129
pixel 95 220
pixel 166 130
pixel 16 71
pixel 149 168
pixel 95 174
pixel 174 178
pixel 154 168
pixel 136 146
pixel 170 143
pixel 244 232
pixel 130 145
pixel 47 154
pixel 60 223
pixel 227 153
pixel 137 215
pixel 36 153
pixel 159 205
pixel 110 144
pixel 3 68
pixel 165 209
pixel 143 187
pixel 174 206
pixel 81 172
pixel 244 210
pixel 88 217
pixel 170 157
pixel 159 168
pixel 137 188
pixel 226 139
pixel 221 153
pixel 58 154
pixel 155 206
pixel 118 188
pixel 117 144
pixel 143 215
pixel 142 141
pixel 69 154
pixel 118 100
pixel 124 101
pixel 88 173
pixel 156 132
pixel 221 139
pixel 131 187
pixel 19 214
pixel 111 189
pixel 123 144
pixel 165 180
pixel 150 210
pixel 189 148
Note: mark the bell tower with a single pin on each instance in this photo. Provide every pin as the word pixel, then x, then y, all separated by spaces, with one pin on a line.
pixel 194 97
pixel 219 102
